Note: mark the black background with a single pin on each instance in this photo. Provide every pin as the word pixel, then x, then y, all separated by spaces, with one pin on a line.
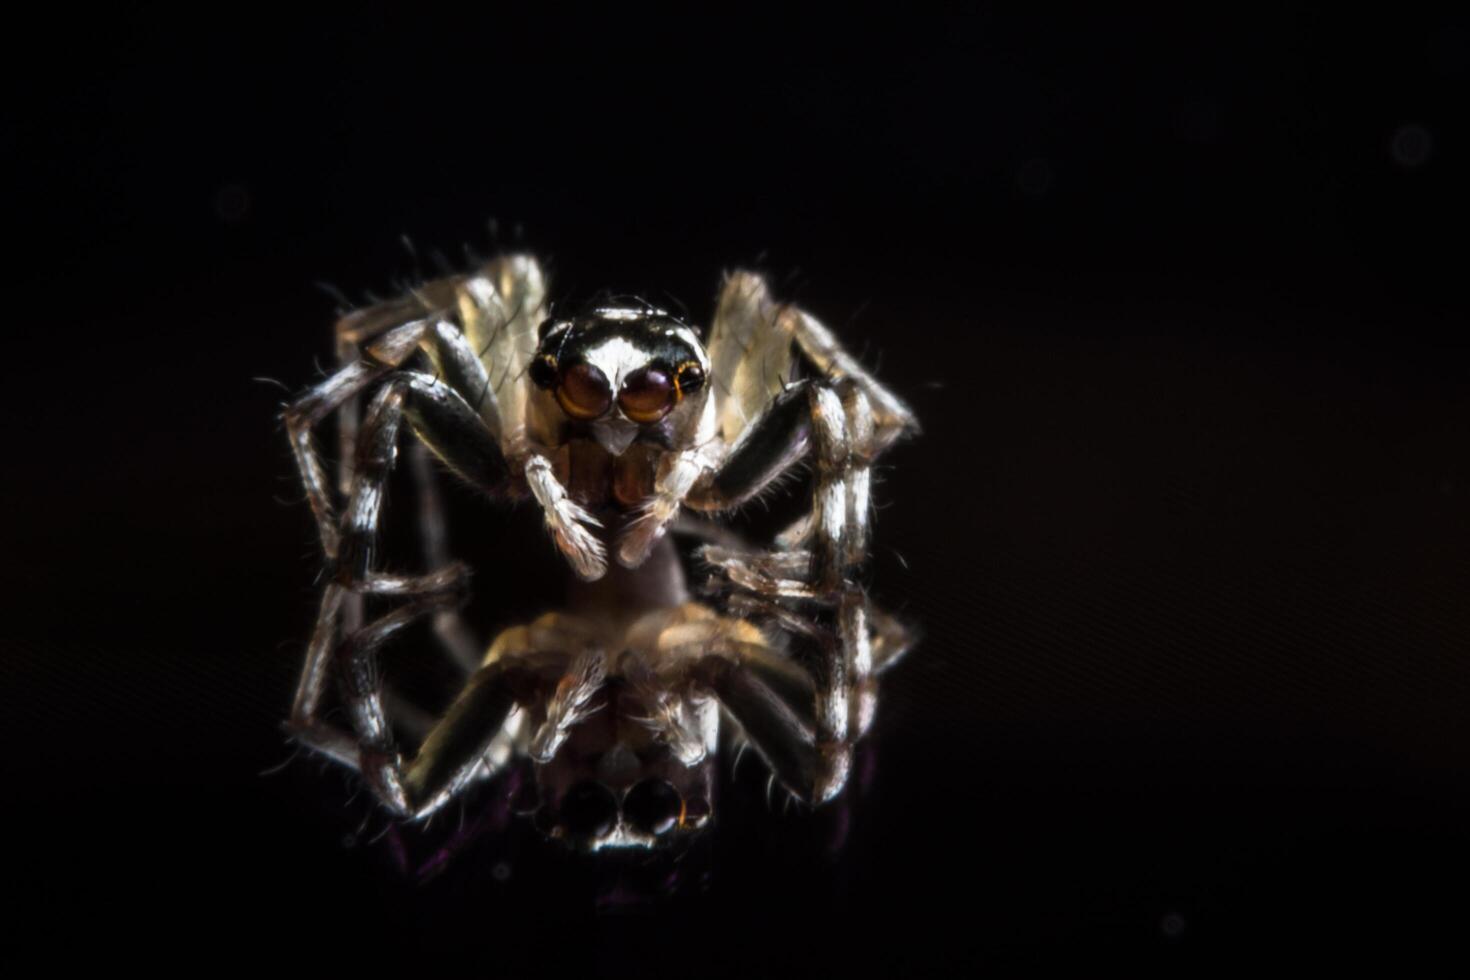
pixel 1179 301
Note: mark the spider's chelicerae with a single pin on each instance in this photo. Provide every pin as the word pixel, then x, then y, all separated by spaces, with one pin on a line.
pixel 616 422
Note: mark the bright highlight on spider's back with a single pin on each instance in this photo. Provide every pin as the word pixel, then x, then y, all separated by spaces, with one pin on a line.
pixel 622 425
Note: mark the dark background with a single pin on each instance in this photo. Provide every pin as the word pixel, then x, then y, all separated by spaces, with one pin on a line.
pixel 1179 301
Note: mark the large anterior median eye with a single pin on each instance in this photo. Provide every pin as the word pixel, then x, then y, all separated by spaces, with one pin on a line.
pixel 583 392
pixel 647 395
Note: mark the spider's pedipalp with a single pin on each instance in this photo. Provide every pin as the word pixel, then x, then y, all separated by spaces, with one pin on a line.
pixel 655 514
pixel 567 521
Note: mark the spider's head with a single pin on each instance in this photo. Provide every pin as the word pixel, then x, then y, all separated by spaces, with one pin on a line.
pixel 614 784
pixel 623 373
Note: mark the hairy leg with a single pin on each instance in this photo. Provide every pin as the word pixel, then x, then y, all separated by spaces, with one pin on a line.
pixel 810 574
pixel 457 748
pixel 440 419
pixel 567 521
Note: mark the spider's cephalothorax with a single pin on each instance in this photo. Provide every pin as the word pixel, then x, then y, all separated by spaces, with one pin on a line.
pixel 621 387
pixel 616 422
pixel 624 374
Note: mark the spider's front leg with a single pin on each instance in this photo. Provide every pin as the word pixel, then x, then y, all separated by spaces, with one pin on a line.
pixel 838 544
pixel 308 411
pixel 815 562
pixel 443 421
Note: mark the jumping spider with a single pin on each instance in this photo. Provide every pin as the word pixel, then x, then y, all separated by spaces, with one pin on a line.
pixel 615 421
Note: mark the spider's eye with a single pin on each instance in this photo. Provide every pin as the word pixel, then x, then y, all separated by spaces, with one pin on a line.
pixel 588 809
pixel 584 393
pixel 543 371
pixel 653 806
pixel 647 395
pixel 690 378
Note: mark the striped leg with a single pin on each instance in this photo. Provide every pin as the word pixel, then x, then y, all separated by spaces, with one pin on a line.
pixel 813 566
pixel 456 751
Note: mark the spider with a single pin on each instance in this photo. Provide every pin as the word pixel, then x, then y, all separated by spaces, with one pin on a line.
pixel 616 421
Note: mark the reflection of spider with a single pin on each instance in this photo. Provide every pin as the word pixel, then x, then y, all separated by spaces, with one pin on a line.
pixel 615 421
